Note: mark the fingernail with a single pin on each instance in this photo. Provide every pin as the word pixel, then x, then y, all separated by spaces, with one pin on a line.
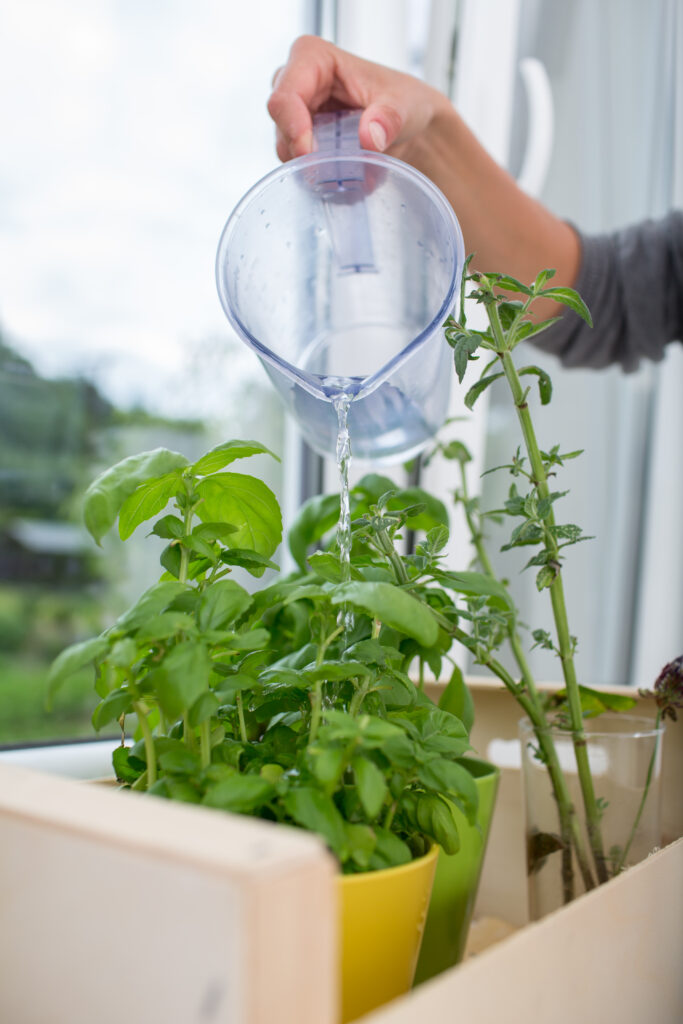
pixel 303 145
pixel 378 135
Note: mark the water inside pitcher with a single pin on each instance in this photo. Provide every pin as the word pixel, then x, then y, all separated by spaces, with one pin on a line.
pixel 338 269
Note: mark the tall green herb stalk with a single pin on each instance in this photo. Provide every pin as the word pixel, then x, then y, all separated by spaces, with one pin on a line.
pixel 508 304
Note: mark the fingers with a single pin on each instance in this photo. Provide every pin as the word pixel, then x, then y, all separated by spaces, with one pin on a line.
pixel 300 88
pixel 319 76
pixel 380 125
pixel 293 122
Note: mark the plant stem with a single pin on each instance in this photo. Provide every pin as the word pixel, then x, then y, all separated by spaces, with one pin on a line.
pixel 359 697
pixel 184 551
pixel 240 716
pixel 564 639
pixel 391 811
pixel 150 752
pixel 529 700
pixel 317 694
pixel 188 732
pixel 386 546
pixel 205 743
pixel 619 866
pixel 316 709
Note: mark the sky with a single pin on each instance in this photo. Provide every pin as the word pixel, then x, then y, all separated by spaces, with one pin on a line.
pixel 128 131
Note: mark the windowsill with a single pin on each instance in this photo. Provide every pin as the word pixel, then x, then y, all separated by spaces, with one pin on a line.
pixel 89 760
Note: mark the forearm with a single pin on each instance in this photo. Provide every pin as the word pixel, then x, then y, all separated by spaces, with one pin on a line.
pixel 506 229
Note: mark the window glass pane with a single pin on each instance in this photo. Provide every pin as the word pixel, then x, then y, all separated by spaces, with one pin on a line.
pixel 129 132
pixel 610 71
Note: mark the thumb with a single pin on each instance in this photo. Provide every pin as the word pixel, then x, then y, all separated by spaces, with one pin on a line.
pixel 380 126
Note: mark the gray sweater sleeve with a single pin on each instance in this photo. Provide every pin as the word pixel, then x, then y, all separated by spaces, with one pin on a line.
pixel 632 282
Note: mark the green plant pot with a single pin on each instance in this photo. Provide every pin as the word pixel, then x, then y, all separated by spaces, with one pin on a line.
pixel 456 882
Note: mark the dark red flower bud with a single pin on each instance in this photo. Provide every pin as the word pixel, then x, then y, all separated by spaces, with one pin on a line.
pixel 668 690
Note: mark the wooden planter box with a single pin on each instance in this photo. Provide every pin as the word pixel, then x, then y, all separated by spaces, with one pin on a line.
pixel 114 908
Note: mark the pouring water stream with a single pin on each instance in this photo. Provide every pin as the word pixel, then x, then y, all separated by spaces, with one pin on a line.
pixel 341 403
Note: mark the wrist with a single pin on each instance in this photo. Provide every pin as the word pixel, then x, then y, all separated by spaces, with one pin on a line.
pixel 435 149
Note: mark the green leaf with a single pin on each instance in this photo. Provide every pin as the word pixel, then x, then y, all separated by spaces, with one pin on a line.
pixel 252 640
pixel 182 678
pixel 451 779
pixel 72 659
pixel 432 513
pixel 317 812
pixel 372 786
pixel 372 487
pixel 328 764
pixel 528 329
pixel 242 794
pixel 170 559
pixel 545 577
pixel 315 518
pixel 336 670
pixel 327 566
pixel 222 603
pixel 457 699
pixel 252 561
pixel 545 275
pixel 372 652
pixel 437 539
pixel 463 287
pixel 595 702
pixel 509 311
pixel 477 389
pixel 204 707
pixel 545 386
pixel 246 503
pixel 124 770
pixel 146 501
pixel 528 532
pixel 118 702
pixel 179 760
pixel 304 591
pixel 153 601
pixel 169 527
pixel 545 504
pixel 223 454
pixel 123 653
pixel 444 826
pixel 456 451
pixel 568 297
pixel 200 546
pixel 229 686
pixel 360 843
pixel 475 583
pixel 107 493
pixel 165 625
pixel 464 346
pixel 392 606
pixel 396 690
pixel 390 851
pixel 511 284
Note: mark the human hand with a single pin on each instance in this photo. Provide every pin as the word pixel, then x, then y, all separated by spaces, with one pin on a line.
pixel 318 76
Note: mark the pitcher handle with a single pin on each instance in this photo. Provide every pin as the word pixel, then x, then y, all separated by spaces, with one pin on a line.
pixel 336 131
pixel 344 187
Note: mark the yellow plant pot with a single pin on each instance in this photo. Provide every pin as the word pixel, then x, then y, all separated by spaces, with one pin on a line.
pixel 382 916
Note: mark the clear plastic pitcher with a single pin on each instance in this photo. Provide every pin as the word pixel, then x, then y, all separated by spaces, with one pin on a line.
pixel 338 269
